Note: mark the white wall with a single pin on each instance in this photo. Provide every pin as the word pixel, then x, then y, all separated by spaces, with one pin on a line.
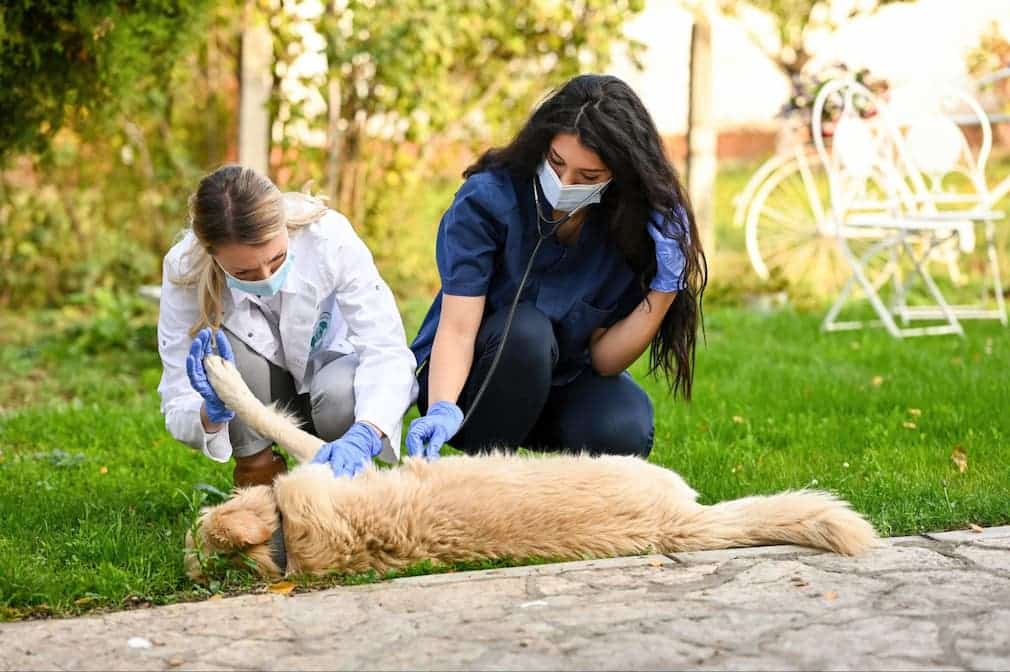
pixel 925 42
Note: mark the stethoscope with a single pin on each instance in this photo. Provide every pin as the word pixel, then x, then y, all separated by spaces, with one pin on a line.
pixel 554 225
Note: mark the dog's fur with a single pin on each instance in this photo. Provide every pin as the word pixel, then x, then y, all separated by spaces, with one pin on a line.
pixel 497 506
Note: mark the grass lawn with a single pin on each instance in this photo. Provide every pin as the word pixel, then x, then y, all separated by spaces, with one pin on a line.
pixel 97 497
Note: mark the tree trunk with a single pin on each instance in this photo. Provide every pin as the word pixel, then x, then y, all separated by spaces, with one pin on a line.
pixel 334 138
pixel 701 131
pixel 254 91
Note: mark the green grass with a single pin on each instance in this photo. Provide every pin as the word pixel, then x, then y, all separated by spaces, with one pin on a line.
pixel 97 497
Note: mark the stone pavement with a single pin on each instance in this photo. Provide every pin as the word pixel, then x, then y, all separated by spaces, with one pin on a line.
pixel 935 601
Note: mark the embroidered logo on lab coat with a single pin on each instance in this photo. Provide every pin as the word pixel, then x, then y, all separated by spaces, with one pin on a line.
pixel 322 324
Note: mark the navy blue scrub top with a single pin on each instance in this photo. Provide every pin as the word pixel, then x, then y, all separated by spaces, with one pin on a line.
pixel 483 245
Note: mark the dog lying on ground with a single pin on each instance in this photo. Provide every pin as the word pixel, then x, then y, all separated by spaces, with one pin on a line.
pixel 497 506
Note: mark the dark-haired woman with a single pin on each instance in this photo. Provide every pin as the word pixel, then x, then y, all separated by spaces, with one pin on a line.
pixel 619 269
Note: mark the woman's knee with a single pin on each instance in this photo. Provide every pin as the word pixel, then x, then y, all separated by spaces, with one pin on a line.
pixel 620 423
pixel 529 341
pixel 332 397
pixel 625 432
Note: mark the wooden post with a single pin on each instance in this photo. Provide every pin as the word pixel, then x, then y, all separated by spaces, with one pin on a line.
pixel 254 91
pixel 701 130
pixel 334 138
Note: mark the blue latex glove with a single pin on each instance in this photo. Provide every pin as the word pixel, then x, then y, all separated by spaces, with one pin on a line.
pixel 669 259
pixel 348 455
pixel 440 424
pixel 217 412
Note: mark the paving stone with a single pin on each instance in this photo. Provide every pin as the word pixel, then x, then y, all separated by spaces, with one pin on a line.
pixel 893 557
pixel 988 556
pixel 983 642
pixel 890 642
pixel 993 543
pixel 738 553
pixel 946 593
pixel 790 585
pixel 916 603
pixel 960 536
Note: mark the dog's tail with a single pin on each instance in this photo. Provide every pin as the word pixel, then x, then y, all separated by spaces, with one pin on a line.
pixel 804 517
pixel 268 421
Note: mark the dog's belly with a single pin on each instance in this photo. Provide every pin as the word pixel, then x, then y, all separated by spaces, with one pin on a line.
pixel 485 508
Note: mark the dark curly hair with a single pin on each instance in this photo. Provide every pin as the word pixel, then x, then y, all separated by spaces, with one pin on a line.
pixel 608 118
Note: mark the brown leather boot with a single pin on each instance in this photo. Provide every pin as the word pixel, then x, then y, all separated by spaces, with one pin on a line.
pixel 258 469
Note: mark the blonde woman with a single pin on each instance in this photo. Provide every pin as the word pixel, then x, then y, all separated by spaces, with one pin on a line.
pixel 282 286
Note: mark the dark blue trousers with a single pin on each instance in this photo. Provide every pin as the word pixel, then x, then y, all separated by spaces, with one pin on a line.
pixel 593 413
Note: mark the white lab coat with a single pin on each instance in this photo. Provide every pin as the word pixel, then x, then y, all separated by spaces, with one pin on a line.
pixel 333 300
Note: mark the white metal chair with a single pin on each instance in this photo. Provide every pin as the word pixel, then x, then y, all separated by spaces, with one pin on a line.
pixel 880 203
pixel 957 192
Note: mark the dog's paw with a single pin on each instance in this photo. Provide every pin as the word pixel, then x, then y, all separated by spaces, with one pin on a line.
pixel 225 379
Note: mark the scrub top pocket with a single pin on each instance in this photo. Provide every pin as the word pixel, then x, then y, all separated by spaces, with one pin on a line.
pixel 574 330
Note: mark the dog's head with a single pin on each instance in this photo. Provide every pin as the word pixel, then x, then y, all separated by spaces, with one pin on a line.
pixel 237 531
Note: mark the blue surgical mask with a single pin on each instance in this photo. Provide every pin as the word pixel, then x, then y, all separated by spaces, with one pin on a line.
pixel 267 286
pixel 568 198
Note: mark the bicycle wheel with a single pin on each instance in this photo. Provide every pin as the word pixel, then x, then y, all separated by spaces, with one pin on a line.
pixel 789 233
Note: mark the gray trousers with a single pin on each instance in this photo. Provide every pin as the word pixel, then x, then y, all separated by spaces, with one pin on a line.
pixel 327 410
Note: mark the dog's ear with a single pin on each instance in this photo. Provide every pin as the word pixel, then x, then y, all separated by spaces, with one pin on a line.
pixel 236 528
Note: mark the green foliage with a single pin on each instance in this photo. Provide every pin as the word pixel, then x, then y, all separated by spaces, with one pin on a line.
pixel 421 85
pixel 991 54
pixel 88 59
pixel 106 198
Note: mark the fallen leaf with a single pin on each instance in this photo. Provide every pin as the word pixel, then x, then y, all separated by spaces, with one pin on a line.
pixel 960 459
pixel 281 587
pixel 215 596
pixel 877 381
pixel 656 563
pixel 103 470
pixel 84 601
pixel 908 425
pixel 977 529
pixel 738 419
pixel 831 595
pixel 175 662
pixel 915 411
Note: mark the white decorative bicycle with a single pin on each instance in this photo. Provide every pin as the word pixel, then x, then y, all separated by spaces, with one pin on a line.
pixel 787 225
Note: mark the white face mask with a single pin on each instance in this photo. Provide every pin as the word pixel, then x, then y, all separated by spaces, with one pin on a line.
pixel 568 198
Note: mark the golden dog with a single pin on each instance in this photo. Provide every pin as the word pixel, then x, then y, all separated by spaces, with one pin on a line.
pixel 497 506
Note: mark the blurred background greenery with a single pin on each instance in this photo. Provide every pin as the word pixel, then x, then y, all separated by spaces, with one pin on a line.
pixel 118 109
pixel 110 113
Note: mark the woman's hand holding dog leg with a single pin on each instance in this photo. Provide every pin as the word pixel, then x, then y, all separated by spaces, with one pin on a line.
pixel 348 455
pixel 214 409
pixel 439 425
